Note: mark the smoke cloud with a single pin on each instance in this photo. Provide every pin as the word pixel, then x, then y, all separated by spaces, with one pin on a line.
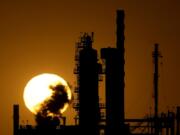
pixel 51 109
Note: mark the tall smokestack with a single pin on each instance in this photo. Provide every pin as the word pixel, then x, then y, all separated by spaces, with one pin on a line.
pixel 120 30
pixel 114 58
pixel 120 46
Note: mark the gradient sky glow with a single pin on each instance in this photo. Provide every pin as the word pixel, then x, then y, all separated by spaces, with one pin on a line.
pixel 38 36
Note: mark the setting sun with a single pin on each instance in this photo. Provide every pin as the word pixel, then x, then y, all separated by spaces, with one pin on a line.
pixel 40 89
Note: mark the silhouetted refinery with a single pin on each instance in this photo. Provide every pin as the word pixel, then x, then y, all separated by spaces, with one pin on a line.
pixel 109 118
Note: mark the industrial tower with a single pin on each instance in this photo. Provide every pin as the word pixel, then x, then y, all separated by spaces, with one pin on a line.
pixel 87 70
pixel 114 64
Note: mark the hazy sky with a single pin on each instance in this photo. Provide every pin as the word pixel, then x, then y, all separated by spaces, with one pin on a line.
pixel 39 36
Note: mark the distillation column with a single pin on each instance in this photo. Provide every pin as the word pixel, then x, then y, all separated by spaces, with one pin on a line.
pixel 89 114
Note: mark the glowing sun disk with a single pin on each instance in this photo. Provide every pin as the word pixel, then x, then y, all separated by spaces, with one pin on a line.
pixel 38 90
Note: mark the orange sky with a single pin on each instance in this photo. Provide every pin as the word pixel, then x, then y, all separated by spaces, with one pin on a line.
pixel 38 36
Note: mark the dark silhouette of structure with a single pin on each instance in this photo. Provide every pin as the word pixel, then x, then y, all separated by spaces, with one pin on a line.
pixel 89 113
pixel 89 117
pixel 114 63
pixel 15 119
pixel 156 54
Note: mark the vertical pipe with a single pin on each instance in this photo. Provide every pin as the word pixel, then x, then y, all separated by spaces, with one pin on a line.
pixel 15 119
pixel 156 55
